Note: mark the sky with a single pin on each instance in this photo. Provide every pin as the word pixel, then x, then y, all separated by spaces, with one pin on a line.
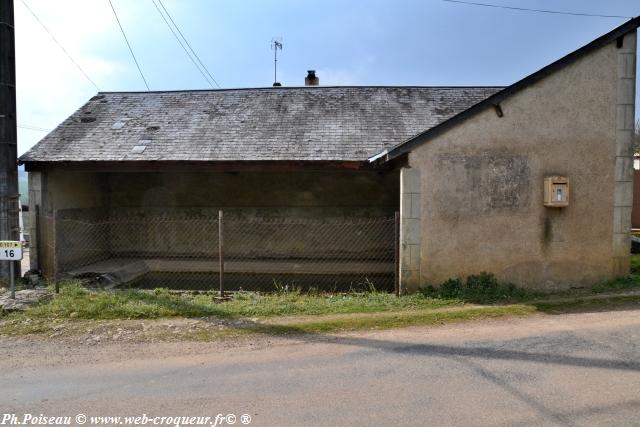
pixel 348 42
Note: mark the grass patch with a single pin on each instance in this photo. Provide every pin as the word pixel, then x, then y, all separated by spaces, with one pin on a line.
pixel 582 305
pixel 297 303
pixel 479 296
pixel 76 302
pixel 324 323
pixel 386 320
pixel 426 317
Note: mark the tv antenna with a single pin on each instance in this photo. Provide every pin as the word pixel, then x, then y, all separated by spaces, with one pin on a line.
pixel 276 43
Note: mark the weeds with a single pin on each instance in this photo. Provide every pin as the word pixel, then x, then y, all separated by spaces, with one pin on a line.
pixel 635 264
pixel 480 288
pixel 75 302
pixel 626 283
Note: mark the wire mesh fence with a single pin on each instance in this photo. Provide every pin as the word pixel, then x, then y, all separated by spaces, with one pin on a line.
pixel 232 253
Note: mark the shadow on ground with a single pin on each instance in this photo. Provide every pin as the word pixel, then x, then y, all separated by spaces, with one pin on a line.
pixel 479 352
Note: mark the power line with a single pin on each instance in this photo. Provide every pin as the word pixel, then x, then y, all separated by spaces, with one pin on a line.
pixel 537 10
pixel 60 45
pixel 181 44
pixel 129 46
pixel 187 43
pixel 31 127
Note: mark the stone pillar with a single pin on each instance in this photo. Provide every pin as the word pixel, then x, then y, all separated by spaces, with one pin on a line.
pixel 35 208
pixel 410 229
pixel 623 191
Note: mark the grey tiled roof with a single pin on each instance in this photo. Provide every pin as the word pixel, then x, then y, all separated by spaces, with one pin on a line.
pixel 306 123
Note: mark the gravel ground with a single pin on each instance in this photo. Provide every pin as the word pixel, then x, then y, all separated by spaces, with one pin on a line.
pixel 570 369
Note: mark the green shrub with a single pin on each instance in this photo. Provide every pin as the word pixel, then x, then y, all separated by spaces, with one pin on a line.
pixel 635 264
pixel 483 287
pixel 452 288
pixel 484 283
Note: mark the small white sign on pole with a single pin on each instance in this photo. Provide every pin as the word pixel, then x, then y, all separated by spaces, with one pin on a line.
pixel 10 250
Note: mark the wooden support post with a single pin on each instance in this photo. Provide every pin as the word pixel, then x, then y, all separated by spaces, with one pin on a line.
pixel 9 227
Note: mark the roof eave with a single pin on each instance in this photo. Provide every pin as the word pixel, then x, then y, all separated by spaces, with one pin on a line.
pixel 195 165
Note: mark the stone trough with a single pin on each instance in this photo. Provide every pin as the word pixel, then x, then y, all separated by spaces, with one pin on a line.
pixel 121 271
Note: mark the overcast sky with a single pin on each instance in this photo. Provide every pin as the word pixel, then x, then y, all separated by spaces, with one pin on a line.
pixel 348 42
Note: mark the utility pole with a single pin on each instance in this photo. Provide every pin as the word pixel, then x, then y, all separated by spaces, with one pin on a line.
pixel 9 197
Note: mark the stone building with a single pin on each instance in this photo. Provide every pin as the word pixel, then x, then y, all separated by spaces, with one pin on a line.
pixel 466 167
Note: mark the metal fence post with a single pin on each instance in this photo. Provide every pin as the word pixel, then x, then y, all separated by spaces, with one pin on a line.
pixel 221 251
pixel 396 253
pixel 55 251
pixel 12 275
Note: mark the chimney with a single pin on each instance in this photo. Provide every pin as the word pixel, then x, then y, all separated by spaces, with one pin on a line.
pixel 311 79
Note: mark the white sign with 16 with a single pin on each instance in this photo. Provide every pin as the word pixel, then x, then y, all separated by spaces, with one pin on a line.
pixel 10 250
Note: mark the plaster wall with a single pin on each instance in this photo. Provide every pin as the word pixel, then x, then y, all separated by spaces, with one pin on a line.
pixel 319 194
pixel 51 194
pixel 482 182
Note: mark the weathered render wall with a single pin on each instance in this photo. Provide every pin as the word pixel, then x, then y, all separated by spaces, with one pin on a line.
pixel 482 181
pixel 312 194
pixel 50 194
pixel 324 196
pixel 315 194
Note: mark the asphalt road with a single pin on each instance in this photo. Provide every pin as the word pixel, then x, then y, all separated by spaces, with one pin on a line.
pixel 577 369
